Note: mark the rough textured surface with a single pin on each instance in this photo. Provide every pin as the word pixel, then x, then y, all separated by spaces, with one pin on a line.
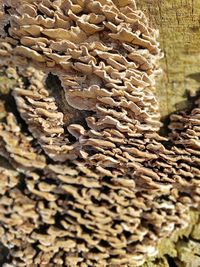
pixel 105 55
pixel 178 22
pixel 94 184
pixel 181 249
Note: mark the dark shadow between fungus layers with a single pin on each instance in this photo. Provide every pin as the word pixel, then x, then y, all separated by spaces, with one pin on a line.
pixel 92 183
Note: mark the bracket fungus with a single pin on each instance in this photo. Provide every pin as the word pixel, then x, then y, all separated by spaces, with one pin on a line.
pixel 90 180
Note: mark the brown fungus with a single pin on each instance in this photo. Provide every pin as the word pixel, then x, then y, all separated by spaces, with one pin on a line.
pixel 94 183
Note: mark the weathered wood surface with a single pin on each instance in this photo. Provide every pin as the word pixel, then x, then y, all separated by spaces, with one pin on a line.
pixel 179 24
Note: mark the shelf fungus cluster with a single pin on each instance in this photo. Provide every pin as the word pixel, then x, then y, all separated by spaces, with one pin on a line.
pixel 89 179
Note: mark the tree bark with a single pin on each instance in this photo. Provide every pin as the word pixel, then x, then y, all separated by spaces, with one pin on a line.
pixel 179 25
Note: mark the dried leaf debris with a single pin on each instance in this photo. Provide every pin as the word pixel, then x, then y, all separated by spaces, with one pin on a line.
pixel 93 184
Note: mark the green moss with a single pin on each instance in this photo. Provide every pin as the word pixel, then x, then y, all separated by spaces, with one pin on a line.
pixel 188 250
pixel 182 247
pixel 157 263
pixel 7 80
pixel 5 85
pixel 196 230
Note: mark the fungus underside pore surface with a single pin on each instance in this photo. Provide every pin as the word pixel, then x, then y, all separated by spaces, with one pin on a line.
pixel 87 179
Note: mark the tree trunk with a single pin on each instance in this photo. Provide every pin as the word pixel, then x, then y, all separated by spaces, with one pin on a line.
pixel 179 24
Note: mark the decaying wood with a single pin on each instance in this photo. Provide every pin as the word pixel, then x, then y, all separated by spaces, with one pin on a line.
pixel 180 31
pixel 179 24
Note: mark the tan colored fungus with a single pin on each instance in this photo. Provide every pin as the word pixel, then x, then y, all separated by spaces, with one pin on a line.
pixel 17 147
pixel 94 183
pixel 45 122
pixel 83 51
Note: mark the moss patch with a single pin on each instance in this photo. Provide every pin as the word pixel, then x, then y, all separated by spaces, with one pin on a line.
pixel 181 249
